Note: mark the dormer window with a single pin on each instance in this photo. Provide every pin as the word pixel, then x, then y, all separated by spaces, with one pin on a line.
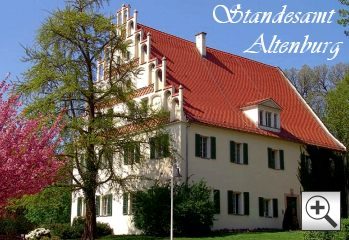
pixel 265 114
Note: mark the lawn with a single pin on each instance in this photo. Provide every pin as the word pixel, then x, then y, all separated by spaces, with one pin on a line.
pixel 297 235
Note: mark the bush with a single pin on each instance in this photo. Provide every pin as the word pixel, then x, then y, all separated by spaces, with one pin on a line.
pixel 193 210
pixel 343 234
pixel 63 230
pixel 14 225
pixel 103 229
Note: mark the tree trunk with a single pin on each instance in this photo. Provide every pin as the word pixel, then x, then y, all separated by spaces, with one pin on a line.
pixel 90 223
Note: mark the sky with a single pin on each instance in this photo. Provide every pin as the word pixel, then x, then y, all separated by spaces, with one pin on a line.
pixel 20 20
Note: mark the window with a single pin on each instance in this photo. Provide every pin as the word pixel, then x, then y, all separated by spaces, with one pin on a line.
pixel 107 158
pixel 238 203
pixel 261 118
pixel 118 60
pixel 306 163
pixel 275 120
pixel 128 203
pixel 216 201
pixel 160 147
pixel 268 119
pixel 132 153
pixel 205 147
pixel 268 207
pixel 276 159
pixel 107 203
pixel 81 208
pixel 98 206
pixel 238 152
pixel 128 55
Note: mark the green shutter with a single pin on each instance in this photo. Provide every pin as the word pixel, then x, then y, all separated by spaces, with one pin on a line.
pixel 245 153
pixel 230 202
pixel 217 201
pixel 152 148
pixel 110 205
pixel 137 152
pixel 98 205
pixel 198 145
pixel 275 208
pixel 232 151
pixel 246 203
pixel 282 164
pixel 271 162
pixel 213 148
pixel 79 210
pixel 261 206
pixel 125 204
pixel 165 143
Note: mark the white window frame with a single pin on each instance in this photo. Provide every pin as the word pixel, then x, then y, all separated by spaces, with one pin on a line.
pixel 104 205
pixel 268 208
pixel 205 148
pixel 238 203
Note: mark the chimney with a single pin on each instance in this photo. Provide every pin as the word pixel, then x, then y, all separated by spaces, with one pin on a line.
pixel 201 43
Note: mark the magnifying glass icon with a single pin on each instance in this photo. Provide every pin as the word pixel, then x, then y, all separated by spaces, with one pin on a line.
pixel 317 208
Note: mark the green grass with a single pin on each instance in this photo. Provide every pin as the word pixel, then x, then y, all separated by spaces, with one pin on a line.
pixel 296 235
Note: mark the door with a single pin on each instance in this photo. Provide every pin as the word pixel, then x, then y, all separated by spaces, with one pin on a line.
pixel 290 221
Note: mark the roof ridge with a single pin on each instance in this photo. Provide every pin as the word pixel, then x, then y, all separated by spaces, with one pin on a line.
pixel 212 48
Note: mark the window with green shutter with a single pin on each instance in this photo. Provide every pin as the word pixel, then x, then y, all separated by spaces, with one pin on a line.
pixel 217 201
pixel 125 204
pixel 238 152
pixel 132 153
pixel 160 146
pixel 246 203
pixel 98 206
pixel 276 159
pixel 205 147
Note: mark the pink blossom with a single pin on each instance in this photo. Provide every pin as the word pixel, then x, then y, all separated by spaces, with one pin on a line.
pixel 28 160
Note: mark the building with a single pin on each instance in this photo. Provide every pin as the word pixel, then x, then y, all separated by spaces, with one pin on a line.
pixel 239 124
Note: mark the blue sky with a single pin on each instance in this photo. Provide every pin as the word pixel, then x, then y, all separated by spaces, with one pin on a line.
pixel 19 20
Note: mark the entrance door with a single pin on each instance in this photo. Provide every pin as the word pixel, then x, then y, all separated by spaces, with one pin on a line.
pixel 290 221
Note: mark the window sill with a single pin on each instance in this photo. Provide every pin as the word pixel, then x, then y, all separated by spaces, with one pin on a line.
pixel 239 163
pixel 105 216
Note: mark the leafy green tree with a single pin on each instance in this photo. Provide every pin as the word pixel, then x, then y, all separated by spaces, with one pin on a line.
pixel 193 209
pixel 313 83
pixel 337 111
pixel 70 46
pixel 51 205
pixel 344 16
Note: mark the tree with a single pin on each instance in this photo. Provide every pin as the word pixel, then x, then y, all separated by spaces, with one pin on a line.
pixel 28 160
pixel 313 83
pixel 344 16
pixel 73 45
pixel 51 205
pixel 337 111
pixel 193 209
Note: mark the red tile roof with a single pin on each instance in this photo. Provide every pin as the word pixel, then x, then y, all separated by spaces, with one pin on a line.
pixel 217 86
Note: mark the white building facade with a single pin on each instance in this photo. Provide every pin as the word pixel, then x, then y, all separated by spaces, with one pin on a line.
pixel 236 123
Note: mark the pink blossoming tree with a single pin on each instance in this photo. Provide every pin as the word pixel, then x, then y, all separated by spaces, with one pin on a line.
pixel 28 160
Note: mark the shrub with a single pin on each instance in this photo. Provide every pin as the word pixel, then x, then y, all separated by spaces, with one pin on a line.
pixel 63 230
pixel 38 233
pixel 103 229
pixel 14 225
pixel 193 210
